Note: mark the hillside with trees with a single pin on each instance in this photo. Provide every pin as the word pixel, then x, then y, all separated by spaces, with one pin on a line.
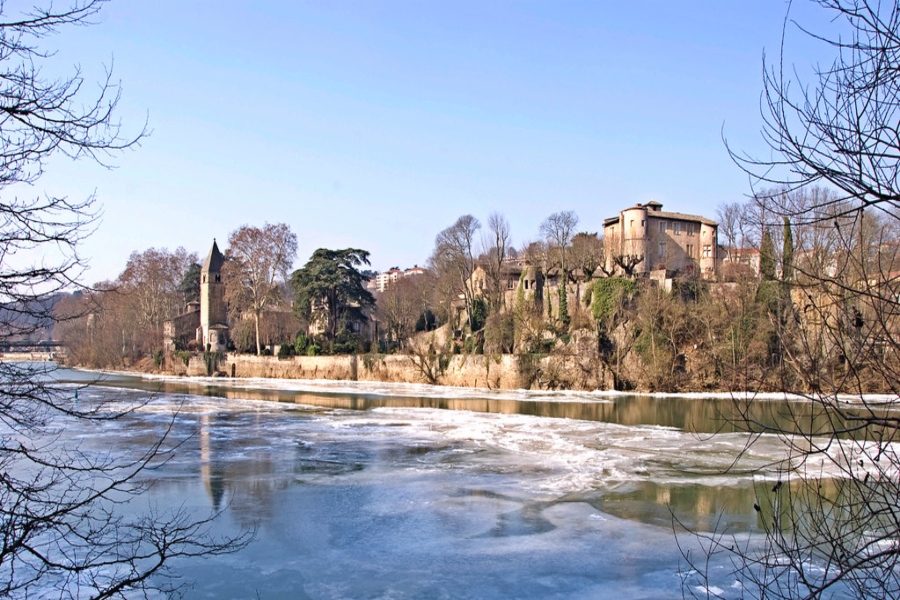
pixel 762 323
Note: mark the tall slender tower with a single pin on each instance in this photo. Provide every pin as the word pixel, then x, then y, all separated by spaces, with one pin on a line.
pixel 213 314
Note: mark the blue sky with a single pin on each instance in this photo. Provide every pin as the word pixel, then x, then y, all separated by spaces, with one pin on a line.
pixel 377 124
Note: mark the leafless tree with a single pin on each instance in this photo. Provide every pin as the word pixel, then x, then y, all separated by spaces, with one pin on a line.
pixel 259 259
pixel 496 249
pixel 587 253
pixel 60 532
pixel 628 262
pixel 730 218
pixel 558 230
pixel 91 324
pixel 119 321
pixel 616 257
pixel 454 254
pixel 839 129
pixel 427 358
pixel 535 253
pixel 401 305
pixel 151 280
pixel 830 519
pixel 587 257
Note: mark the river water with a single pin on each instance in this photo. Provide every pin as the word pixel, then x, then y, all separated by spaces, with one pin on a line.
pixel 401 491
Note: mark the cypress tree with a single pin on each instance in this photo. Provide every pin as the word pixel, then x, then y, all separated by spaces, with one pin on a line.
pixel 787 258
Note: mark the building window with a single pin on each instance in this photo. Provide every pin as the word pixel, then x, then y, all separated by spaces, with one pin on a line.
pixel 642 222
pixel 662 249
pixel 676 228
pixel 690 250
pixel 707 251
pixel 662 226
pixel 690 228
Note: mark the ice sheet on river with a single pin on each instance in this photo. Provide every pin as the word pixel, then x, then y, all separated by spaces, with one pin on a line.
pixel 398 502
pixel 411 503
pixel 377 388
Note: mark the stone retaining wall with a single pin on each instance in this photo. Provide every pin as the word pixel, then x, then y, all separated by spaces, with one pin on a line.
pixel 486 371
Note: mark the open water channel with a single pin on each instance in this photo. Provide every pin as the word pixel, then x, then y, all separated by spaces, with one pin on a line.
pixel 363 490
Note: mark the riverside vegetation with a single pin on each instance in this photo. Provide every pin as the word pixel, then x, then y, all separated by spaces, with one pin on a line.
pixel 768 326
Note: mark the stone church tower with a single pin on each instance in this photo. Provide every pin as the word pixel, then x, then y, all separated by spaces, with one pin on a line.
pixel 213 332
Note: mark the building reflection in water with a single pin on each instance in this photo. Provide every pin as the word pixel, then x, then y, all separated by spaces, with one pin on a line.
pixel 699 415
pixel 210 473
pixel 236 467
pixel 240 469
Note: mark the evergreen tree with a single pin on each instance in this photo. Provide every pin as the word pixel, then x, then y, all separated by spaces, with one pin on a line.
pixel 563 304
pixel 787 255
pixel 331 288
pixel 190 283
pixel 520 294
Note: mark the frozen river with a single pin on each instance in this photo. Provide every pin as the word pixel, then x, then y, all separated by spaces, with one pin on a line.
pixel 377 491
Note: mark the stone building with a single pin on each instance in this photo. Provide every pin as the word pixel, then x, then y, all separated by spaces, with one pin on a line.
pixel 674 242
pixel 205 322
pixel 179 332
pixel 515 273
pixel 213 332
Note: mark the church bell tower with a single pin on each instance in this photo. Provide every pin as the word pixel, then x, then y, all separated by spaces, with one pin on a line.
pixel 213 332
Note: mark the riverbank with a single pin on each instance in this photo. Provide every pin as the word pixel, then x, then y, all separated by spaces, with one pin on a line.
pixel 506 372
pixel 393 375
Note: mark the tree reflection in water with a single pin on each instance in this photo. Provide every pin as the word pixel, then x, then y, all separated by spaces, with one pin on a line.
pixel 330 479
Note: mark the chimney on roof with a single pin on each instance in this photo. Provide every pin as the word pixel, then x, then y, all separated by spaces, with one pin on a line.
pixel 654 206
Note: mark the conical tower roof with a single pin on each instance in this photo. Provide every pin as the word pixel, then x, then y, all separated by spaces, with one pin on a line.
pixel 214 261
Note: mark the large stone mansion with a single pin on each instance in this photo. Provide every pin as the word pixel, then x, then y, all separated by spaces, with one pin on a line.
pixel 674 242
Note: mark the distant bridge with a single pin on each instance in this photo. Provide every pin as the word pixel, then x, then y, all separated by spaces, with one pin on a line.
pixel 43 350
pixel 41 346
